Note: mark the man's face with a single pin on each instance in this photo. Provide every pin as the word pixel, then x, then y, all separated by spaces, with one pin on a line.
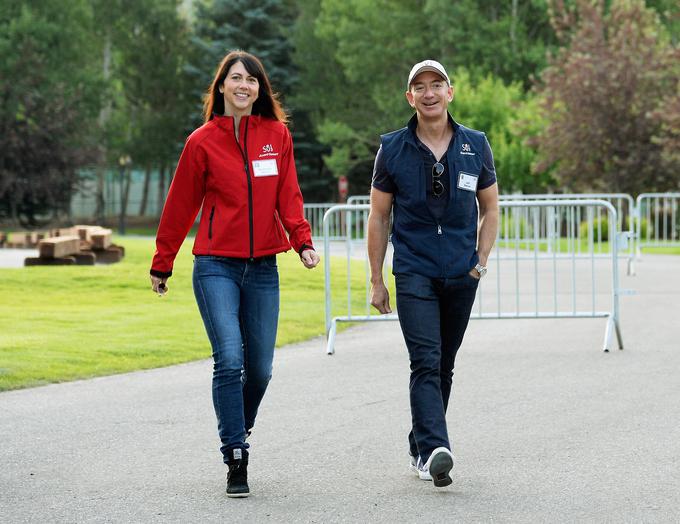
pixel 429 94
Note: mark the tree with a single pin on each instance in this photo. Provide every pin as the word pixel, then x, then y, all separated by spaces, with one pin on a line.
pixel 50 92
pixel 599 95
pixel 152 51
pixel 506 39
pixel 365 48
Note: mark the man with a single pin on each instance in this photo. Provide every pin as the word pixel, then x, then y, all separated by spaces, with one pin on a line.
pixel 430 176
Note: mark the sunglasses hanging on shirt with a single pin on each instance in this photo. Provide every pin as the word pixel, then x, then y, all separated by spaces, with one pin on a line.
pixel 437 172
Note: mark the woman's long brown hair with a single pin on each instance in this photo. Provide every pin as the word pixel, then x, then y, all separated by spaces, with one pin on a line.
pixel 267 103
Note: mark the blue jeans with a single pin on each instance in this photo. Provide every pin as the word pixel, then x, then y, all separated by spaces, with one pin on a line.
pixel 239 302
pixel 434 314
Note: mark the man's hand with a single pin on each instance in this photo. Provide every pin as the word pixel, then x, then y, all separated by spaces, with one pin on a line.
pixel 158 285
pixel 309 258
pixel 380 298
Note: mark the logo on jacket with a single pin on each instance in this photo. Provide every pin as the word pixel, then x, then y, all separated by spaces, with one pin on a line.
pixel 466 150
pixel 268 150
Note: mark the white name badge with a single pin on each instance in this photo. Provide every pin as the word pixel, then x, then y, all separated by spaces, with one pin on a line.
pixel 265 167
pixel 467 181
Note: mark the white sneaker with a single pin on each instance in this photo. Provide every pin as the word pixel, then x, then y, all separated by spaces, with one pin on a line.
pixel 439 467
pixel 416 465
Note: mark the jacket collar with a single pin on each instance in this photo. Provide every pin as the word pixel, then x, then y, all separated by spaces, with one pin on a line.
pixel 413 124
pixel 227 122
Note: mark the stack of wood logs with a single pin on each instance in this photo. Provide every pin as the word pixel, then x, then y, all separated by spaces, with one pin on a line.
pixel 81 245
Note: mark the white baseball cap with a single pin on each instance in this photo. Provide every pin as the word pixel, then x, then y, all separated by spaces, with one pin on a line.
pixel 427 65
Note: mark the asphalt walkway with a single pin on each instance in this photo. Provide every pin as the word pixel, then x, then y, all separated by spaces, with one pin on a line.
pixel 546 428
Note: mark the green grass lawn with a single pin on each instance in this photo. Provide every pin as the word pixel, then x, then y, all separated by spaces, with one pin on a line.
pixel 564 246
pixel 72 322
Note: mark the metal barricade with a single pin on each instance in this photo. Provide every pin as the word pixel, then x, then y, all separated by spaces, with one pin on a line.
pixel 625 210
pixel 359 200
pixel 550 263
pixel 314 214
pixel 622 202
pixel 657 220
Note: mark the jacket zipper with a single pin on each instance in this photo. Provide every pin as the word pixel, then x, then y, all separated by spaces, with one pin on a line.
pixel 212 213
pixel 441 258
pixel 244 154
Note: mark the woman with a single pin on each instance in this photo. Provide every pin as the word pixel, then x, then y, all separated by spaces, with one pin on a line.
pixel 239 167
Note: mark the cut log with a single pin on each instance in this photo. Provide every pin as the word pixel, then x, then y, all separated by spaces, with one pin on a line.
pixel 101 239
pixel 85 231
pixel 66 232
pixel 59 247
pixel 39 261
pixel 122 248
pixel 85 258
pixel 109 255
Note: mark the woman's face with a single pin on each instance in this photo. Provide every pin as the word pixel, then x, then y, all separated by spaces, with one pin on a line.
pixel 240 90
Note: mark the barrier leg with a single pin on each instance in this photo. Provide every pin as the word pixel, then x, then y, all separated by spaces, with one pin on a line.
pixel 618 333
pixel 608 333
pixel 330 340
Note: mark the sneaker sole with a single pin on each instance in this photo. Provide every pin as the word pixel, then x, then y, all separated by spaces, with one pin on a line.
pixel 238 495
pixel 441 465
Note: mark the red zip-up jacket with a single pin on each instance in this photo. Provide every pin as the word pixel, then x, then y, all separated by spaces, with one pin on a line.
pixel 248 189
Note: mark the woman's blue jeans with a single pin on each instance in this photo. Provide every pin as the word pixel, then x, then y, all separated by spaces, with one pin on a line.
pixel 239 302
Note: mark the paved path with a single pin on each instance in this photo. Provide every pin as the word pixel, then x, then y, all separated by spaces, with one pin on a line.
pixel 546 428
pixel 15 257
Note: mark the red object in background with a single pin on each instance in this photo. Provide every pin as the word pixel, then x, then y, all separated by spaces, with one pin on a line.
pixel 343 187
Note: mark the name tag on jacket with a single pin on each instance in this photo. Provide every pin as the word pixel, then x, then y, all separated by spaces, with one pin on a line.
pixel 467 181
pixel 265 167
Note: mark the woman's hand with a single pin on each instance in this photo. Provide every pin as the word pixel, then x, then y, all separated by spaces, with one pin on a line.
pixel 309 258
pixel 158 285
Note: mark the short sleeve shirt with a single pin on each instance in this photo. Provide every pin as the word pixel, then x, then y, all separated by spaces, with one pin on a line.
pixel 437 204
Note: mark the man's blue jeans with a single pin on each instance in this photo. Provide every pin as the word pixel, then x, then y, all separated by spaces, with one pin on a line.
pixel 434 314
pixel 239 302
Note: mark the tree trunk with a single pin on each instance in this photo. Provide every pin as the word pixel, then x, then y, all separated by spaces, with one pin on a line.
pixel 161 189
pixel 104 114
pixel 100 203
pixel 513 27
pixel 145 191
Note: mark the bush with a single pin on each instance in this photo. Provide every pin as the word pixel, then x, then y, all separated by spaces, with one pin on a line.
pixel 604 228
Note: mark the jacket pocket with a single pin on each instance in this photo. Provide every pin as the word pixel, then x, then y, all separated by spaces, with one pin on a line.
pixel 210 223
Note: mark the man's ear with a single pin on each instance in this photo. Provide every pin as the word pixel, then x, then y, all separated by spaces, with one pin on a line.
pixel 409 97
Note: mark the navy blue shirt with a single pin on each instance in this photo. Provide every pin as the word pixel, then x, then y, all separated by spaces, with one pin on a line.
pixel 437 204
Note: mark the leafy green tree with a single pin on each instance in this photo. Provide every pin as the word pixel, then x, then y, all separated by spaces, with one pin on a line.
pixel 506 39
pixel 152 52
pixel 504 112
pixel 600 94
pixel 50 89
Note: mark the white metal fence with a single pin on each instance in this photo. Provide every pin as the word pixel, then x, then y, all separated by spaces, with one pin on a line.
pixel 658 220
pixel 550 262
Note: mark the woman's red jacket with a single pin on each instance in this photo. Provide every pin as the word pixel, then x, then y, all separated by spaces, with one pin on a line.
pixel 248 189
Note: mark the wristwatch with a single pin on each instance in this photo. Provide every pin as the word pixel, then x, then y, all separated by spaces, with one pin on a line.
pixel 481 270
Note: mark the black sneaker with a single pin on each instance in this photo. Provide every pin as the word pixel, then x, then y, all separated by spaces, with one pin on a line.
pixel 237 480
pixel 439 465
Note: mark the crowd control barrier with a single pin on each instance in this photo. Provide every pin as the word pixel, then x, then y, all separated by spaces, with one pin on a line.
pixel 622 202
pixel 550 260
pixel 658 220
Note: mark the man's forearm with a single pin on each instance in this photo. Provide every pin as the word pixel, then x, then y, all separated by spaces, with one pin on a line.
pixel 488 228
pixel 378 231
